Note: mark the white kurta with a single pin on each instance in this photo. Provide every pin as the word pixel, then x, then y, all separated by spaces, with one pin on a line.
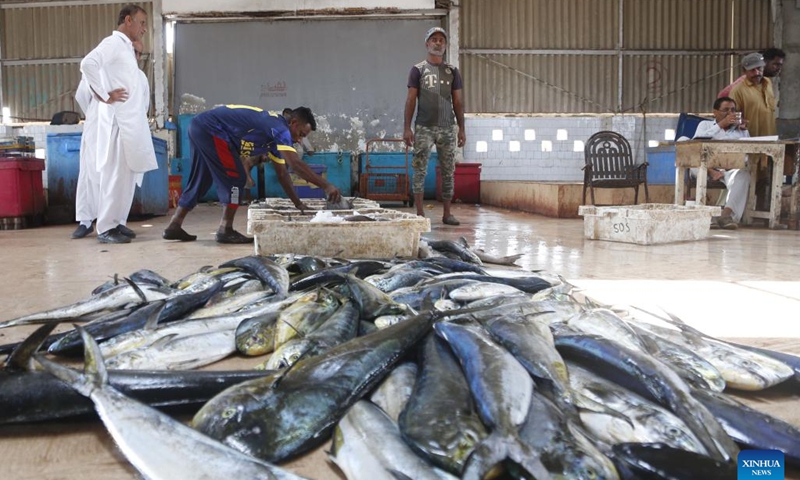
pixel 736 181
pixel 88 194
pixel 112 65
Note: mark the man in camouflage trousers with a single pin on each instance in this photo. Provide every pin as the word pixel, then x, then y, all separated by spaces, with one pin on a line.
pixel 440 119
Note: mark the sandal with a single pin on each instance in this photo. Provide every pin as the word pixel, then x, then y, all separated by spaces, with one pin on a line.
pixel 450 220
pixel 178 234
pixel 233 237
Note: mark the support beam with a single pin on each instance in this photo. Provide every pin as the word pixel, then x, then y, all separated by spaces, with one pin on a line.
pixel 454 20
pixel 159 63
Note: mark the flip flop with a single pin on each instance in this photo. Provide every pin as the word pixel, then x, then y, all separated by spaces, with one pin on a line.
pixel 178 234
pixel 233 237
pixel 450 220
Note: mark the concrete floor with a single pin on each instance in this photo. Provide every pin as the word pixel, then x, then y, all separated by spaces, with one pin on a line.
pixel 719 285
pixel 742 284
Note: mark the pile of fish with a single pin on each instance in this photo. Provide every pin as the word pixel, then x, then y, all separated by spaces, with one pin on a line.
pixel 431 368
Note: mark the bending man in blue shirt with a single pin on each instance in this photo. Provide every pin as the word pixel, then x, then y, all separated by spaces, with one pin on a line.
pixel 226 143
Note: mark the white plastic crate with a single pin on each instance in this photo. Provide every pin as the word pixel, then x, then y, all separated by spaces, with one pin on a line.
pixel 289 231
pixel 647 224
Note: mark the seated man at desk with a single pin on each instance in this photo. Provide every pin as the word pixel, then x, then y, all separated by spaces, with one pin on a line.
pixel 727 125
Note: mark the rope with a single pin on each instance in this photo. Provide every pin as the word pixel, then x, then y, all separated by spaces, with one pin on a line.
pixel 546 83
pixel 640 106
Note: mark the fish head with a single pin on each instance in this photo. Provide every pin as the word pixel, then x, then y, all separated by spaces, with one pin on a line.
pixel 746 370
pixel 288 355
pixel 255 338
pixel 610 428
pixel 229 417
pixel 669 429
pixel 444 304
pixel 587 461
pixel 385 321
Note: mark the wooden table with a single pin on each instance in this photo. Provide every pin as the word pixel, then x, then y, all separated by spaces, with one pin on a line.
pixel 705 154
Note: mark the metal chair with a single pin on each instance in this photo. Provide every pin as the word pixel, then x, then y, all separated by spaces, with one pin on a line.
pixel 609 164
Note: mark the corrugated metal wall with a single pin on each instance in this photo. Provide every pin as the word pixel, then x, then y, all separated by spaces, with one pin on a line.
pixel 539 24
pixel 496 83
pixel 518 56
pixel 565 56
pixel 41 51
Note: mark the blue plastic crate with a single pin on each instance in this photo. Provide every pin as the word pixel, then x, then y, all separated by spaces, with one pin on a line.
pixel 396 161
pixel 306 189
pixel 338 169
pixel 661 168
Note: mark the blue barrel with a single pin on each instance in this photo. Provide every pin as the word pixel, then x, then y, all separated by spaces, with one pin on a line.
pixel 152 198
pixel 63 167
pixel 661 165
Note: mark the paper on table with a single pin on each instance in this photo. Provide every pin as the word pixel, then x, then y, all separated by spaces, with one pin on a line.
pixel 767 138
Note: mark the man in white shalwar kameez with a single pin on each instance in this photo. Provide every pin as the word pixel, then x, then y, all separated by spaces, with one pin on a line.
pixel 727 125
pixel 88 194
pixel 113 75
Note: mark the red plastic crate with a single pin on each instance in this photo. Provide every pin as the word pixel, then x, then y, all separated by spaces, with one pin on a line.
pixel 466 183
pixel 21 191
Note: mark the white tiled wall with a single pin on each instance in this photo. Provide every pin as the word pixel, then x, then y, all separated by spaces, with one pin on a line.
pixel 562 164
pixel 39 133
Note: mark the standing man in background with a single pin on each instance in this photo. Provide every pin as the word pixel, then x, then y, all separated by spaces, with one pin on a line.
pixel 440 119
pixel 755 98
pixel 123 149
pixel 773 59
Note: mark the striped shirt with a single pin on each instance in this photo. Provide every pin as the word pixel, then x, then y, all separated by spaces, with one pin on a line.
pixel 435 85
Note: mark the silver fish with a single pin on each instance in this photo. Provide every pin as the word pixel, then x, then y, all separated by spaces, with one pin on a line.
pixel 440 421
pixel 502 389
pixel 741 369
pixel 157 445
pixel 178 353
pixel 357 451
pixel 393 393
pixel 478 290
pixel 641 421
pixel 115 297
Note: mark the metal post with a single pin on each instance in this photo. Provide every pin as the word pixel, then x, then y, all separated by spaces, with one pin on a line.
pixel 2 21
pixel 454 20
pixel 620 45
pixel 159 60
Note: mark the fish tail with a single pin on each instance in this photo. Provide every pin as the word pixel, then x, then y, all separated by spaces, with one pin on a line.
pixel 704 425
pixel 94 375
pixel 499 447
pixel 21 356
